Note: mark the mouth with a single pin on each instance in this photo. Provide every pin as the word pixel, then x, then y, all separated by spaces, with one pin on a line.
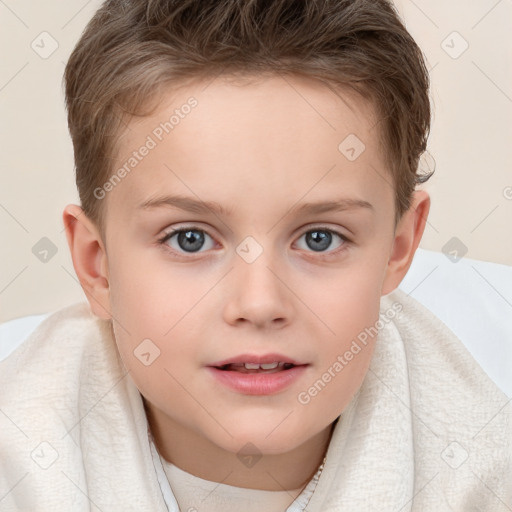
pixel 252 374
pixel 254 363
pixel 273 367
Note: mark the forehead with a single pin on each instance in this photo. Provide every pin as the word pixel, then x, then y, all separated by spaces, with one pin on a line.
pixel 218 138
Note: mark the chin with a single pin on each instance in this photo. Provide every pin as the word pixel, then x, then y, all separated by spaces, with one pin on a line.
pixel 263 438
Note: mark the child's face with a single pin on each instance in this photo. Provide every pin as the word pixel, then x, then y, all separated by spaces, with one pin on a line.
pixel 264 276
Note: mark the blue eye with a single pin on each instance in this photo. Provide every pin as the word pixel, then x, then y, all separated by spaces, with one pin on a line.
pixel 194 240
pixel 319 239
pixel 189 240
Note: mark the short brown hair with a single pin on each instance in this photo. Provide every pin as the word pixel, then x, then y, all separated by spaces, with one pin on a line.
pixel 131 50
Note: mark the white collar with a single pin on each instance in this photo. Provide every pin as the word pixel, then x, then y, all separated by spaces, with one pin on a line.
pixel 298 505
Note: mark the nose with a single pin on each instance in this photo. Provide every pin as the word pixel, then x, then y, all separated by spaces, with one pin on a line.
pixel 257 294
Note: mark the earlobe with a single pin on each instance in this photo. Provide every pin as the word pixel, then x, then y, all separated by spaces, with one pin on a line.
pixel 406 240
pixel 89 259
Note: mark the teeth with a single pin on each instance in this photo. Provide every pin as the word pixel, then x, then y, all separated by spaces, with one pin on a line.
pixel 269 366
pixel 255 366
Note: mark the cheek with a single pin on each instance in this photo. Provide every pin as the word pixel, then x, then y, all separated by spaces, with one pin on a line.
pixel 348 305
pixel 149 295
pixel 344 300
pixel 343 363
pixel 149 306
pixel 153 298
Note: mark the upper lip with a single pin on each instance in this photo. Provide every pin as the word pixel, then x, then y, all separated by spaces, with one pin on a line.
pixel 257 359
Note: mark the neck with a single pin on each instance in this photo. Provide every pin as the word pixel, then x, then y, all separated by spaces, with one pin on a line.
pixel 200 457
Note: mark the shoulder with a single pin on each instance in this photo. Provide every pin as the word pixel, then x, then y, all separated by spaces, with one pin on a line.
pixel 461 420
pixel 436 358
pixel 56 348
pixel 431 346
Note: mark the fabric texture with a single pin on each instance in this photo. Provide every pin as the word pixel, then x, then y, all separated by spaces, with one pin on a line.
pixel 427 430
pixel 194 493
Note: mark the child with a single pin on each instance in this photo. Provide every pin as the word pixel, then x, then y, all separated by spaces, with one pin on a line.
pixel 272 365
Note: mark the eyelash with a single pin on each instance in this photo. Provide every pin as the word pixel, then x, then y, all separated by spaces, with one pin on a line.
pixel 167 236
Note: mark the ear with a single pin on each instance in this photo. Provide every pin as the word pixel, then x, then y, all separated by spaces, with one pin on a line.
pixel 89 259
pixel 407 237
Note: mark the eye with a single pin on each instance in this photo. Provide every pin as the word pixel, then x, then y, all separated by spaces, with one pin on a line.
pixel 320 239
pixel 188 240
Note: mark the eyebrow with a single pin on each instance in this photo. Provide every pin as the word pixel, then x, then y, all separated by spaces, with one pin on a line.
pixel 339 205
pixel 185 203
pixel 204 207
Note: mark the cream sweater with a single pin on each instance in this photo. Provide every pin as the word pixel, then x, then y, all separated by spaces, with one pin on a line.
pixel 192 493
pixel 427 431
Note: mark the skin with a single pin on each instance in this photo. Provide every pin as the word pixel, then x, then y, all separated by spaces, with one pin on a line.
pixel 259 150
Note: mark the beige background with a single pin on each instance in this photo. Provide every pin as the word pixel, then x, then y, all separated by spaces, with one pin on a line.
pixel 470 139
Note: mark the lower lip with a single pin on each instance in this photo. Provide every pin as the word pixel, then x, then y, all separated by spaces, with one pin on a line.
pixel 258 383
